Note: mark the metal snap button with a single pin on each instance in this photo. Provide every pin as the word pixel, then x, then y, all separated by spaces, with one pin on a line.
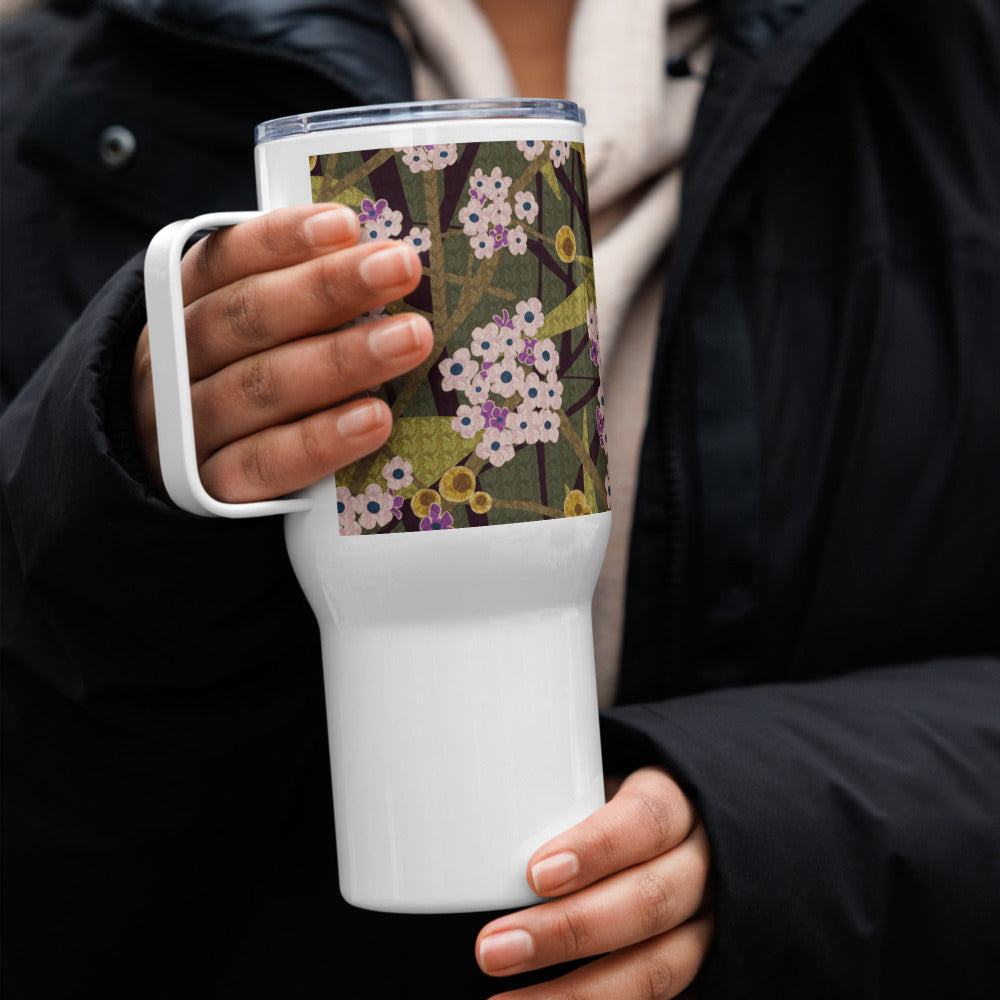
pixel 116 146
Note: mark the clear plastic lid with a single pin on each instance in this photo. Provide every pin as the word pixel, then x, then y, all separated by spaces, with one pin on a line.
pixel 417 111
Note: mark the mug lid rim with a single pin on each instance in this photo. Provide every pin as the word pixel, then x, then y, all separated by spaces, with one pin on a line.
pixel 417 111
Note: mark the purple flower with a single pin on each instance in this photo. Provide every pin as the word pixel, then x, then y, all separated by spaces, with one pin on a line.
pixel 504 320
pixel 369 211
pixel 527 353
pixel 500 237
pixel 436 519
pixel 494 416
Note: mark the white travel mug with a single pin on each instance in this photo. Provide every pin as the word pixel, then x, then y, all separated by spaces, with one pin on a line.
pixel 451 573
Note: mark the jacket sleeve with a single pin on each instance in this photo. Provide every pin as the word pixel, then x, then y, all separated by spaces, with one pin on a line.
pixel 854 825
pixel 162 688
pixel 96 546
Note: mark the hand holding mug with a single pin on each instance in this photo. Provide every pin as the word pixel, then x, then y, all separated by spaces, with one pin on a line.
pixel 273 379
pixel 629 883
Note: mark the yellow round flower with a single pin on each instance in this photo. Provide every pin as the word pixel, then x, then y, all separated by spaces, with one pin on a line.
pixel 421 501
pixel 575 504
pixel 481 502
pixel 458 484
pixel 566 245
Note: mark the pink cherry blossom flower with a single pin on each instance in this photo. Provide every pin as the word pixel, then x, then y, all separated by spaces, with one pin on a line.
pixel 416 158
pixel 506 377
pixel 549 429
pixel 533 392
pixel 479 186
pixel 529 317
pixel 530 147
pixel 458 371
pixel 385 225
pixel 397 473
pixel 486 342
pixel 477 391
pixel 558 152
pixel 473 218
pixel 497 213
pixel 346 516
pixel 482 246
pixel 525 206
pixel 419 239
pixel 443 155
pixel 510 337
pixel 552 392
pixel 518 241
pixel 497 446
pixel 468 421
pixel 374 507
pixel 525 425
pixel 546 356
pixel 497 185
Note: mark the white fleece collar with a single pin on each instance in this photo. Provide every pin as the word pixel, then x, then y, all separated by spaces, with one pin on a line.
pixel 615 48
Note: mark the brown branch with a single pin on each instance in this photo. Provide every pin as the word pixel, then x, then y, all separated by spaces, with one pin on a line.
pixel 567 430
pixel 355 175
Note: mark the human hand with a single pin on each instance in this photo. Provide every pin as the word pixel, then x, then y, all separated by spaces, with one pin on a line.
pixel 630 880
pixel 271 386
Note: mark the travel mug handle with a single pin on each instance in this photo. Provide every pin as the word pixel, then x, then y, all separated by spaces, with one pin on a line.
pixel 171 377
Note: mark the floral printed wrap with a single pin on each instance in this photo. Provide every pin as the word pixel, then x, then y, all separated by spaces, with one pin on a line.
pixel 505 420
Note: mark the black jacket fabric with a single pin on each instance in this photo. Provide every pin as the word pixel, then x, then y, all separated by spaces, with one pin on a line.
pixel 813 637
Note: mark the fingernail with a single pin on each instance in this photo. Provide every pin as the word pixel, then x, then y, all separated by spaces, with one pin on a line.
pixel 395 339
pixel 360 420
pixel 391 266
pixel 501 951
pixel 550 873
pixel 336 225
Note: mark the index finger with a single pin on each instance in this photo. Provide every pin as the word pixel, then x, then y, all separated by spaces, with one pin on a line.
pixel 648 816
pixel 275 240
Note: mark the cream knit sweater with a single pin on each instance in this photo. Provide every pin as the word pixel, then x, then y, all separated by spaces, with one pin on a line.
pixel 638 123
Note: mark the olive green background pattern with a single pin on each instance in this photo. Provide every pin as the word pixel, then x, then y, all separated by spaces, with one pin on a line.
pixel 503 237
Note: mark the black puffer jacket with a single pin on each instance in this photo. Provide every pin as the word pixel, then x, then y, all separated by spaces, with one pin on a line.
pixel 814 593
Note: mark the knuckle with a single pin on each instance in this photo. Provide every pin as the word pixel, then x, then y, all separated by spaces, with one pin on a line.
pixel 337 358
pixel 655 816
pixel 657 979
pixel 258 466
pixel 276 238
pixel 243 313
pixel 330 287
pixel 258 384
pixel 605 841
pixel 314 445
pixel 655 903
pixel 573 933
